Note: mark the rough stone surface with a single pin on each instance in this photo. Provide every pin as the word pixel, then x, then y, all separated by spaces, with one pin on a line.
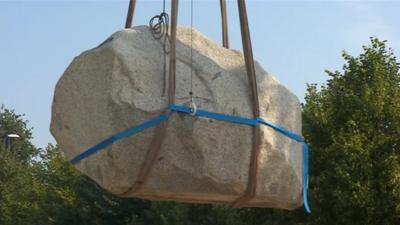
pixel 120 84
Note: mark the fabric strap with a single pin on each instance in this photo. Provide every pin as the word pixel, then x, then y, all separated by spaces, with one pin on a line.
pixel 211 115
pixel 224 22
pixel 162 125
pixel 131 11
pixel 118 136
pixel 250 191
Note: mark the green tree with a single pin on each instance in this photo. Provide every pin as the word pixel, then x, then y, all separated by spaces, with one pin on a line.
pixel 171 213
pixel 353 127
pixel 18 195
pixel 38 186
pixel 12 123
pixel 69 197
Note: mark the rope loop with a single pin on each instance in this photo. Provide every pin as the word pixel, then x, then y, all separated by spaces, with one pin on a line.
pixel 159 26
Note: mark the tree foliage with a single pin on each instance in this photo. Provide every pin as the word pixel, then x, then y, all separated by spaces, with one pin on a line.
pixel 353 127
pixel 12 123
pixel 72 198
pixel 17 192
pixel 40 187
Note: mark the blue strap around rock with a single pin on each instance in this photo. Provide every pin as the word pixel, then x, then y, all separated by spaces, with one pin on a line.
pixel 118 136
pixel 212 115
pixel 253 122
pixel 305 178
pixel 299 139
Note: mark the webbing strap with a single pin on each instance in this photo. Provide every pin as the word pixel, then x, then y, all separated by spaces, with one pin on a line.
pixel 160 132
pixel 299 139
pixel 305 178
pixel 250 191
pixel 248 56
pixel 131 11
pixel 212 115
pixel 159 135
pixel 224 22
pixel 172 53
pixel 281 130
pixel 118 136
pixel 253 122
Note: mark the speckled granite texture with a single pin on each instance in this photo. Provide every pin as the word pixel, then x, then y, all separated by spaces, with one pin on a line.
pixel 120 84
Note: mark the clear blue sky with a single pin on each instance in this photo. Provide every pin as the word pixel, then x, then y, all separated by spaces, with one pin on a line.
pixel 294 40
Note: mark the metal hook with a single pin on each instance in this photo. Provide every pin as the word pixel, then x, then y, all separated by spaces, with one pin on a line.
pixel 193 107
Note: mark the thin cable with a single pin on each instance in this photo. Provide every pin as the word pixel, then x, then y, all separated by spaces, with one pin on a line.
pixel 191 50
pixel 160 30
pixel 163 5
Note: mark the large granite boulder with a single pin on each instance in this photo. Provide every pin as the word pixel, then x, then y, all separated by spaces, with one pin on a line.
pixel 121 83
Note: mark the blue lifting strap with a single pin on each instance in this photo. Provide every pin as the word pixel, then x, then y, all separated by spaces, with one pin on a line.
pixel 118 136
pixel 299 139
pixel 253 122
pixel 212 115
